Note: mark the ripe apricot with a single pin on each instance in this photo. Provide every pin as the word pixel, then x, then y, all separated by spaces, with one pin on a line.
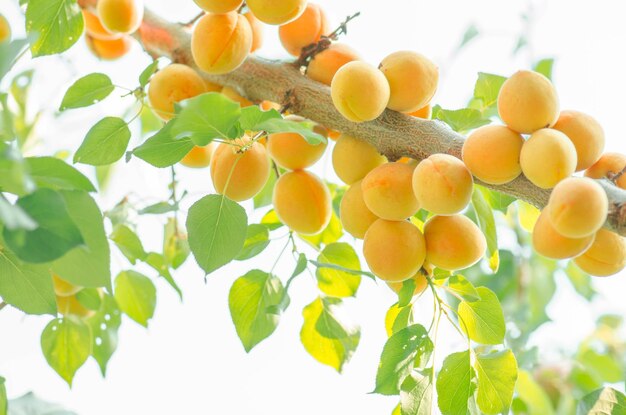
pixel 354 158
pixel 211 86
pixel 388 191
pixel 394 250
pixel 302 202
pixel 420 284
pixel 5 29
pixel 199 156
pixel 453 242
pixel 70 306
pixel 607 166
pixel 173 84
pixel 240 175
pixel 425 112
pixel 551 244
pixel 305 30
pixel 606 256
pixel 355 216
pixel 548 157
pixel 325 64
pixel 291 151
pixel 413 80
pixel 586 134
pixel 492 154
pixel 277 12
pixel 360 92
pixel 120 16
pixel 221 42
pixel 233 95
pixel 95 29
pixel 577 207
pixel 64 288
pixel 442 184
pixel 219 6
pixel 528 102
pixel 257 31
pixel 109 49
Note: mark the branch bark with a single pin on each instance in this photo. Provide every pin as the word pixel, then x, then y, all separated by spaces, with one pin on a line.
pixel 394 134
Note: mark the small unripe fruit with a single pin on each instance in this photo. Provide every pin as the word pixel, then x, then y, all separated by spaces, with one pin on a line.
pixel 413 80
pixel 63 288
pixel 551 244
pixel 325 64
pixel 605 257
pixel 5 30
pixel 70 306
pixel 453 242
pixel 528 102
pixel 199 156
pixel 257 32
pixel 305 30
pixel 608 166
pixel 173 84
pixel 120 16
pixel 388 191
pixel 233 95
pixel 355 216
pixel 95 29
pixel 291 151
pixel 442 184
pixel 548 157
pixel 492 154
pixel 277 12
pixel 221 42
pixel 354 158
pixel 394 251
pixel 585 133
pixel 421 283
pixel 302 202
pixel 109 49
pixel 219 6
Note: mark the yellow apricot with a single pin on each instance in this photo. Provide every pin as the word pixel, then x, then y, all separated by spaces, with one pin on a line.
pixel 421 283
pixel 233 95
pixel 577 207
pixel 360 92
pixel 199 156
pixel 355 216
pixel 257 31
pixel 394 250
pixel 240 176
pixel 64 288
pixel 453 242
pixel 586 134
pixel 277 12
pixel 492 154
pixel 334 135
pixel 70 306
pixel 211 86
pixel 425 112
pixel 302 202
pixel 109 49
pixel 173 84
pixel 442 184
pixel 291 151
pixel 551 244
pixel 528 102
pixel 354 158
pixel 221 42
pixel 120 16
pixel 413 80
pixel 607 166
pixel 548 157
pixel 95 29
pixel 305 30
pixel 325 64
pixel 388 191
pixel 5 29
pixel 219 6
pixel 606 256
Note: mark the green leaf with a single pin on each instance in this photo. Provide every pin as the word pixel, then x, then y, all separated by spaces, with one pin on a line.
pixel 283 125
pixel 217 231
pixel 342 269
pixel 105 143
pixel 460 120
pixel 206 117
pixel 325 337
pixel 334 282
pixel 581 281
pixel 257 239
pixel 264 197
pixel 606 401
pixel 459 285
pixel 253 116
pixel 175 244
pixel 13 217
pixel 249 300
pixel 406 292
pixel 55 234
pixel 59 24
pixel 66 345
pixel 87 91
pixel 483 320
pixel 159 263
pixel 29 404
pixel 159 208
pixel 163 149
pixel 13 169
pixel 487 223
pixel 129 243
pixel 3 397
pixel 536 399
pixel 136 296
pixel 497 200
pixel 271 220
pixel 399 356
pixel 56 174
pixel 544 67
pixel 497 374
pixel 454 384
pixel 104 327
pixel 90 298
pixel 146 74
pixel 10 51
pixel 416 394
pixel 487 89
pixel 397 318
pixel 332 233
pixel 470 34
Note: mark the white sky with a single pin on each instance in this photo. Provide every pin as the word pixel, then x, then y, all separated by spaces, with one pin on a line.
pixel 190 360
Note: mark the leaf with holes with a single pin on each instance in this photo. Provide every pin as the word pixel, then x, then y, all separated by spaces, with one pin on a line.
pixel 66 345
pixel 57 23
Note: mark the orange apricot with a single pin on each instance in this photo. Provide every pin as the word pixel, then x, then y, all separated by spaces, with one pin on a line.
pixel 233 95
pixel 277 12
pixel 199 156
pixel 173 84
pixel 388 191
pixel 95 29
pixel 425 112
pixel 63 288
pixel 355 216
pixel 325 64
pixel 305 30
pixel 219 6
pixel 360 92
pixel 5 30
pixel 421 283
pixel 585 133
pixel 605 257
pixel 257 31
pixel 109 49
pixel 453 242
pixel 548 157
pixel 291 151
pixel 120 16
pixel 354 158
pixel 608 166
pixel 551 244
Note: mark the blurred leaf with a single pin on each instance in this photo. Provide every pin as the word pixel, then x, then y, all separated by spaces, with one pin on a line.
pixel 541 287
pixel 159 208
pixel 602 365
pixel 607 401
pixel 483 320
pixel 342 269
pixel 487 224
pixel 104 327
pixel 461 120
pixel 264 197
pixel 487 89
pixel 460 286
pixel 146 74
pixel 536 399
pixel 105 143
pixel 29 404
pixel 3 397
pixel 470 34
pixel 59 24
pixel 13 217
pixel 581 281
pixel 497 374
pixel 159 263
pixel 544 67
pixel 175 244
pixel 129 243
pixel 498 201
pixel 149 121
pixel 257 239
pixel 56 174
pixel 454 384
pixel 397 318
pixel 135 295
pixel 163 149
pixel 528 215
pixel 87 91
pixel 66 345
pixel 334 282
pixel 332 233
pixel 10 51
pixel 271 221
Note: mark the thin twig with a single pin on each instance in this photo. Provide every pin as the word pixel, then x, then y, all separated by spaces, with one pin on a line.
pixel 194 20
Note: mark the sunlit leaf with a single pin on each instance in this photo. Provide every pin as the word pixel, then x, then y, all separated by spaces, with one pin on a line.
pixel 66 345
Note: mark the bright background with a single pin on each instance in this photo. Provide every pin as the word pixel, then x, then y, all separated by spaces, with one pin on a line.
pixel 190 361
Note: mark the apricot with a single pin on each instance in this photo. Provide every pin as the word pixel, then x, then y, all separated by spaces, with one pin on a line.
pixel 442 184
pixel 394 250
pixel 239 174
pixel 578 207
pixel 233 95
pixel 257 31
pixel 606 256
pixel 388 191
pixel 360 92
pixel 302 202
pixel 548 157
pixel 528 102
pixel 219 6
pixel 355 216
pixel 95 29
pixel 325 64
pixel 221 42
pixel 199 156
pixel 109 49
pixel 277 12
pixel 551 244
pixel 211 86
pixel 354 158
pixel 70 306
pixel 173 84
pixel 492 154
pixel 425 112
pixel 64 288
pixel 5 30
pixel 453 242
pixel 421 283
pixel 120 16
pixel 586 133
pixel 413 80
pixel 291 151
pixel 607 166
pixel 305 30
